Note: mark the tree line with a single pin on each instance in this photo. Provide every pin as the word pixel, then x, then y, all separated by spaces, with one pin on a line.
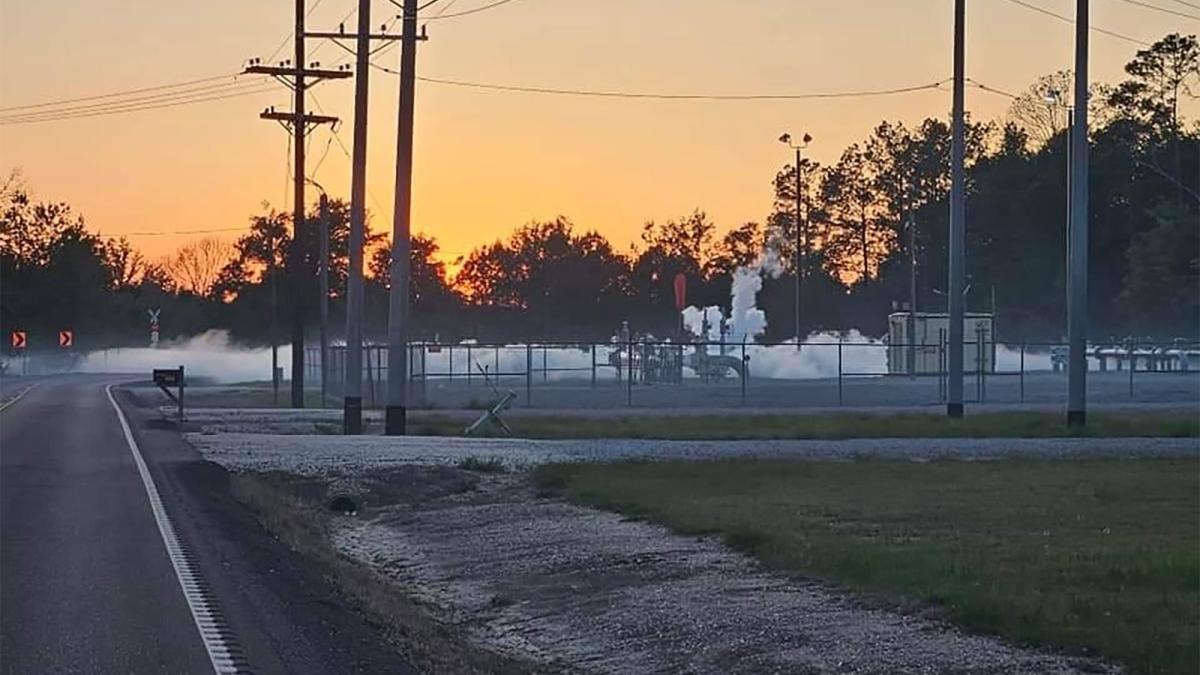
pixel 555 280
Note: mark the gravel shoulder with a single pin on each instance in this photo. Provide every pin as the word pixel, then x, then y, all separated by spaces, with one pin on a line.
pixel 587 591
pixel 320 454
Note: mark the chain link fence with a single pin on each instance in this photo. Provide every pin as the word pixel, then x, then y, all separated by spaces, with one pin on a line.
pixel 711 375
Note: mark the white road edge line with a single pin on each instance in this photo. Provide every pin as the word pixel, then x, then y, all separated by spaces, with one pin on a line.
pixel 203 612
pixel 16 398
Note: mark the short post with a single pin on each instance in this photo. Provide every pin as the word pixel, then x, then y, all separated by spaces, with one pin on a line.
pixel 181 386
pixel 470 365
pixel 496 373
pixel 545 370
pixel 528 375
pixel 1022 377
pixel 450 357
pixel 840 393
pixel 593 366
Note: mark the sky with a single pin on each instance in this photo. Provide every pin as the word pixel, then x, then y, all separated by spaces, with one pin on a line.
pixel 487 162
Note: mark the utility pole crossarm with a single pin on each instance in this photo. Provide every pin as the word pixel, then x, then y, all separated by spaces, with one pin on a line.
pixel 353 36
pixel 289 71
pixel 289 117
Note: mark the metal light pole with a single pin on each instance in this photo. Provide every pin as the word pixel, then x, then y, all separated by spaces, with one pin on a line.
pixel 1056 98
pixel 323 291
pixel 958 215
pixel 801 230
pixel 1077 310
pixel 912 281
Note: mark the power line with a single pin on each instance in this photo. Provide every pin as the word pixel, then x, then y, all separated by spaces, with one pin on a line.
pixel 1185 3
pixel 290 36
pixel 171 233
pixel 670 96
pixel 465 12
pixel 445 7
pixel 342 146
pixel 170 95
pixel 1071 21
pixel 136 108
pixel 1164 10
pixel 114 94
pixel 979 85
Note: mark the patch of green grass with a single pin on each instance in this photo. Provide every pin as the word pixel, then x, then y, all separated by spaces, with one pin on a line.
pixel 482 464
pixel 836 426
pixel 1096 557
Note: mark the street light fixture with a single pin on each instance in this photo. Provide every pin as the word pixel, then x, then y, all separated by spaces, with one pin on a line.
pixel 801 227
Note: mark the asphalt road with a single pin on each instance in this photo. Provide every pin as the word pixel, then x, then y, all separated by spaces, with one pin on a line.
pixel 86 585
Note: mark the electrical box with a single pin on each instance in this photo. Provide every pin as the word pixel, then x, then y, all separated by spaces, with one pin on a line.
pixel 917 343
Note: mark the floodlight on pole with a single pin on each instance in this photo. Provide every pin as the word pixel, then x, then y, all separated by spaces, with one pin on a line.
pixel 801 228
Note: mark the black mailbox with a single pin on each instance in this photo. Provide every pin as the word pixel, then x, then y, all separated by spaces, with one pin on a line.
pixel 168 377
pixel 171 377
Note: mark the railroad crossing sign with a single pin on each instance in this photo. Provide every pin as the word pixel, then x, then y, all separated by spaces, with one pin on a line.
pixel 153 314
pixel 18 339
pixel 65 338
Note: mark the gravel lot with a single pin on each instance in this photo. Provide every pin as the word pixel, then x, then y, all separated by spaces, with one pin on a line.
pixel 318 455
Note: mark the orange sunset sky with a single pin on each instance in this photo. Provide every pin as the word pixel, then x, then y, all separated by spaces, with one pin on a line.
pixel 489 161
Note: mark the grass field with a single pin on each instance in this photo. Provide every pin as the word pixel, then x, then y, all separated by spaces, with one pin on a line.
pixel 1095 557
pixel 831 426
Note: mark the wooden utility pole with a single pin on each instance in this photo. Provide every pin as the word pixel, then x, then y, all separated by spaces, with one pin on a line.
pixel 958 216
pixel 352 382
pixel 395 415
pixel 1077 237
pixel 294 74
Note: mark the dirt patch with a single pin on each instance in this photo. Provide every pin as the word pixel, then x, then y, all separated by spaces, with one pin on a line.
pixel 538 581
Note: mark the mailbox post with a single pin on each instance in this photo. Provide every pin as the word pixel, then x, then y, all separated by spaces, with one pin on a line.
pixel 171 377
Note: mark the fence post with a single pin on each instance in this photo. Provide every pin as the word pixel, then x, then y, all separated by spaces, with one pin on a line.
pixel 942 364
pixel 629 375
pixel 370 377
pixel 1132 364
pixel 528 375
pixel 424 374
pixel 1022 371
pixel 450 356
pixel 593 366
pixel 470 366
pixel 745 371
pixel 840 399
pixel 545 369
pixel 980 385
pixel 496 377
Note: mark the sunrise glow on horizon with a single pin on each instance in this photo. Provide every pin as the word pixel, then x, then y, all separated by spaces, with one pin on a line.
pixel 489 161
